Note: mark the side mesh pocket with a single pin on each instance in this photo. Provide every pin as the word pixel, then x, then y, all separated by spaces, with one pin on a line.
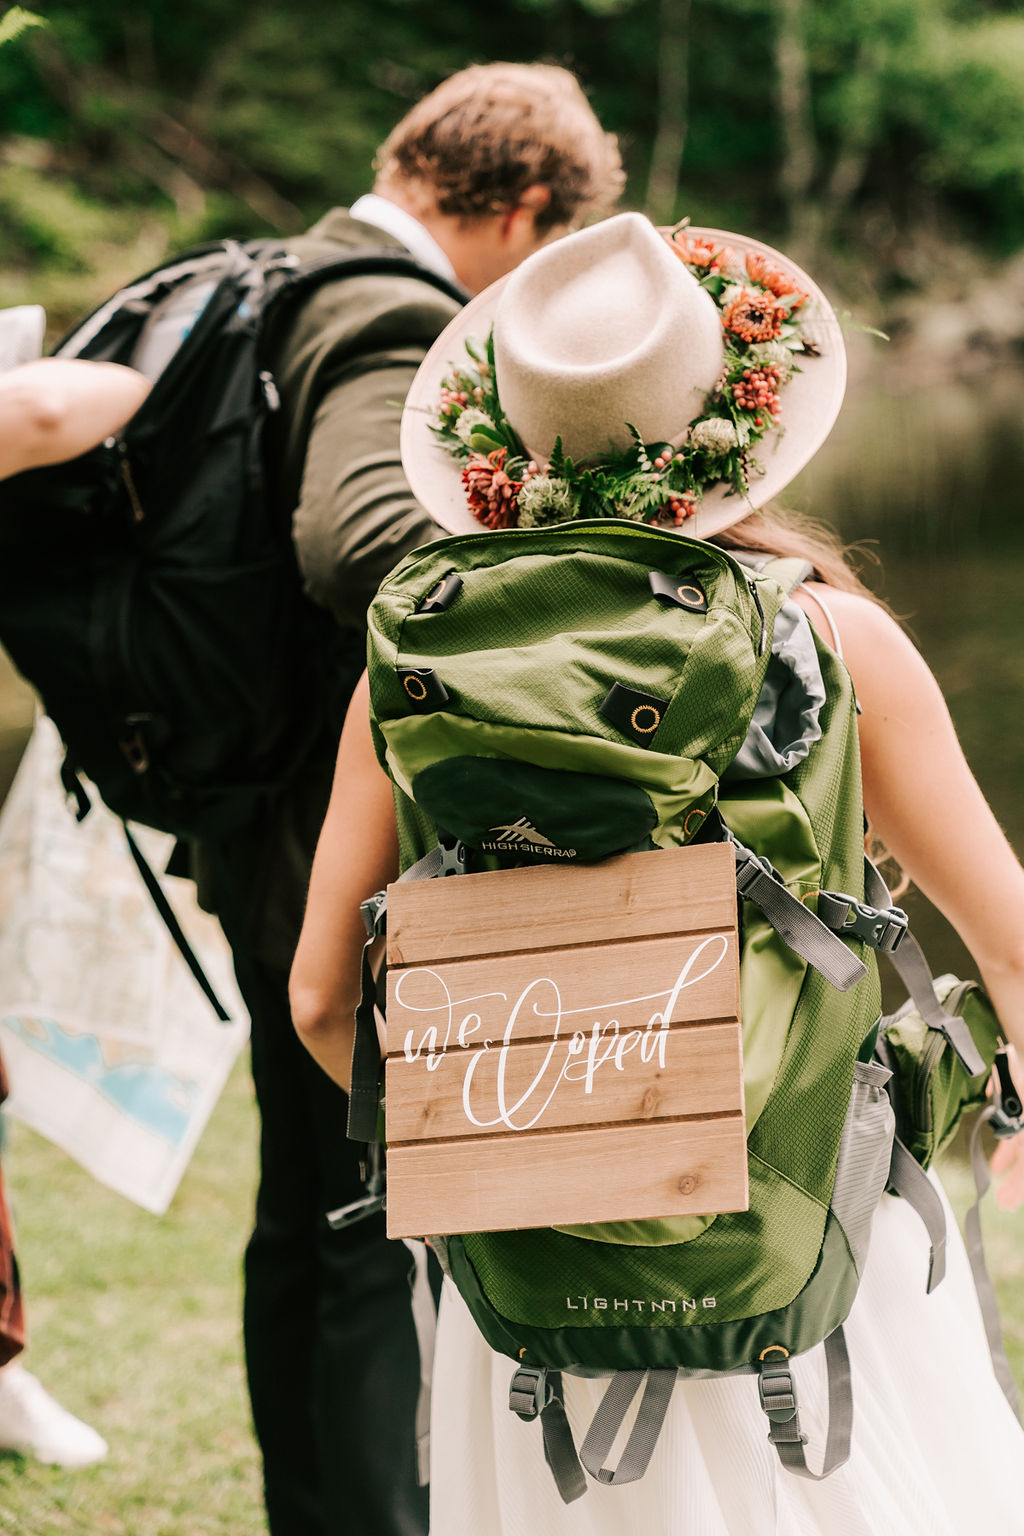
pixel 864 1154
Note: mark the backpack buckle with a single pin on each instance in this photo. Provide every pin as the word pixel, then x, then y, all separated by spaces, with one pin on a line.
pixel 357 1210
pixel 777 1391
pixel 371 1171
pixel 883 928
pixel 528 1392
pixel 454 855
pixel 1007 1116
pixel 751 870
pixel 373 911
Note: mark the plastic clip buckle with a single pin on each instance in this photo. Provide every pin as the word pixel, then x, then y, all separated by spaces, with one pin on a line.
pixel 454 856
pixel 883 928
pixel 372 912
pixel 777 1391
pixel 358 1210
pixel 1007 1116
pixel 750 869
pixel 527 1394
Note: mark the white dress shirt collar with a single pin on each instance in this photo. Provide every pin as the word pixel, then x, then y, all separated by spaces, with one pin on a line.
pixel 371 208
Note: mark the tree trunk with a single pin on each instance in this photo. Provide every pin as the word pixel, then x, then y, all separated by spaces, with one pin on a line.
pixel 799 151
pixel 673 111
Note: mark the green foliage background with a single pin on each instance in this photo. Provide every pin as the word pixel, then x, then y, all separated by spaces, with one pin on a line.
pixel 862 126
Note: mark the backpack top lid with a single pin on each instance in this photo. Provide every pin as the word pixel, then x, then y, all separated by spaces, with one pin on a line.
pixel 538 403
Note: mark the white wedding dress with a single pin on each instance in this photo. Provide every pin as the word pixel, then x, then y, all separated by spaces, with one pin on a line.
pixel 936 1448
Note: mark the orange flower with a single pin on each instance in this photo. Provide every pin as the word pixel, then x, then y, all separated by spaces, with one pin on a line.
pixel 491 493
pixel 696 252
pixel 754 316
pixel 771 278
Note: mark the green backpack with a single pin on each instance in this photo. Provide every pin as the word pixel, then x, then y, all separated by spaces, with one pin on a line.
pixel 606 687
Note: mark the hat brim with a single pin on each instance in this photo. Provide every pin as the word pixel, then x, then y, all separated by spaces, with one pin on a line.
pixel 810 404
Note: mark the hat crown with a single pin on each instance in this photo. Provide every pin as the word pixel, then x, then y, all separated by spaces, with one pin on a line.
pixel 602 330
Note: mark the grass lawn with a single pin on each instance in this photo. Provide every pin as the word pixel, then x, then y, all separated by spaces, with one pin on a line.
pixel 135 1325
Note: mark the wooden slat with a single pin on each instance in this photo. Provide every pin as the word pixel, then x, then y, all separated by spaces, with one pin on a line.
pixel 567 1177
pixel 462 1003
pixel 670 890
pixel 695 1070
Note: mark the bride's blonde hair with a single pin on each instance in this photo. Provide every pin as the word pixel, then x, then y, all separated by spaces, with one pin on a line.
pixel 775 531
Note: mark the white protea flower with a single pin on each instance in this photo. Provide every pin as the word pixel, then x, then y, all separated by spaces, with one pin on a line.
pixel 715 436
pixel 543 499
pixel 468 421
pixel 771 354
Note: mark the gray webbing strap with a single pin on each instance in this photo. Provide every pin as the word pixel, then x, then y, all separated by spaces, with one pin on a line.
pixel 427 867
pixel 777 1391
pixel 424 1317
pixel 609 1418
pixel 559 1446
pixel 805 933
pixel 912 1184
pixel 979 1269
pixel 915 973
pixel 443 859
pixel 537 1392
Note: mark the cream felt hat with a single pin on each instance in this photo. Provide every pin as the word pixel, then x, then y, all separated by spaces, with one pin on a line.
pixel 609 329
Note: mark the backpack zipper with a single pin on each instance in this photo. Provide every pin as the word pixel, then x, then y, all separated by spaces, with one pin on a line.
pixel 128 480
pixel 755 594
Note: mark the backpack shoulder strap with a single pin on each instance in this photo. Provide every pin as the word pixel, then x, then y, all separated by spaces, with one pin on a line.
pixel 297 276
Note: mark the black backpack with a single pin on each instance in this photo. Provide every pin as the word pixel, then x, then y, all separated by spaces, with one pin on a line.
pixel 149 589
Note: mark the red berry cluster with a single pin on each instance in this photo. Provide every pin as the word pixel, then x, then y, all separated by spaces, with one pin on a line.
pixel 758 390
pixel 679 505
pixel 451 398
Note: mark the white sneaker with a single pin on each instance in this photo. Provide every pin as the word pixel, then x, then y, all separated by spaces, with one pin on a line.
pixel 34 1423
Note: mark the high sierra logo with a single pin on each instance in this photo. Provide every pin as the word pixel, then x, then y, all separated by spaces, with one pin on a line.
pixel 522 837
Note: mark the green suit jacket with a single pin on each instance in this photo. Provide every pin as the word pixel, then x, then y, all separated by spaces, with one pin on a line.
pixel 343 365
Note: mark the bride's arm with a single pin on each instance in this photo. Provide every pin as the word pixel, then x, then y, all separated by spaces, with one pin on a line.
pixel 925 805
pixel 357 854
pixel 55 408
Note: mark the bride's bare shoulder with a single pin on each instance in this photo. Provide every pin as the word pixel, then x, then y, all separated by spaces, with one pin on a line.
pixel 882 659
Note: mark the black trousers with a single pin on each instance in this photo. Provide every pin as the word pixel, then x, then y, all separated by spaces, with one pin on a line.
pixel 331 1350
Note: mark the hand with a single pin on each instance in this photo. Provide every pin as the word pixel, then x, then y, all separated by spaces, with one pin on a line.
pixel 1008 1168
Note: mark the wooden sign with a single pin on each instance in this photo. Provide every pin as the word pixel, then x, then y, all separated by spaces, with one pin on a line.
pixel 563 1045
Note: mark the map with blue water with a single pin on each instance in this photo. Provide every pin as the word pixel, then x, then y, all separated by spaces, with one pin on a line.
pixel 146 1092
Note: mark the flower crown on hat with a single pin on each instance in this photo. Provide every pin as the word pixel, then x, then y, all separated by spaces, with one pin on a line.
pixel 661 483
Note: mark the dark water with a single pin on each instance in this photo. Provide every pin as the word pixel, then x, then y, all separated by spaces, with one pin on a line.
pixel 935 481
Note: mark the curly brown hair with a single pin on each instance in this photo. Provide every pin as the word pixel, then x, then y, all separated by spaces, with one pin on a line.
pixel 491 131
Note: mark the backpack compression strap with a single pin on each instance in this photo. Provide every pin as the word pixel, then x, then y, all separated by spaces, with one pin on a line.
pixel 777 1391
pixel 807 935
pixel 538 1393
pixel 907 958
